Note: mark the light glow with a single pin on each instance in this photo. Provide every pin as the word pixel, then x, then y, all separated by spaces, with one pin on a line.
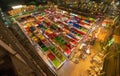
pixel 16 7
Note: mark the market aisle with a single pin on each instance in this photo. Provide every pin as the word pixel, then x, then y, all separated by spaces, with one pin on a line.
pixel 80 69
pixel 66 69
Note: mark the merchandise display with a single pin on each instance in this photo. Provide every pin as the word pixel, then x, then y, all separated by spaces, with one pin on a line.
pixel 60 37
pixel 55 32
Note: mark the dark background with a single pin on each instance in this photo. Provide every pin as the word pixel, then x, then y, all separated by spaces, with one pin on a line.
pixel 6 4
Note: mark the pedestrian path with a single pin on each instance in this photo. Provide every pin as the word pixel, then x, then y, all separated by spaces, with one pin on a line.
pixel 71 69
